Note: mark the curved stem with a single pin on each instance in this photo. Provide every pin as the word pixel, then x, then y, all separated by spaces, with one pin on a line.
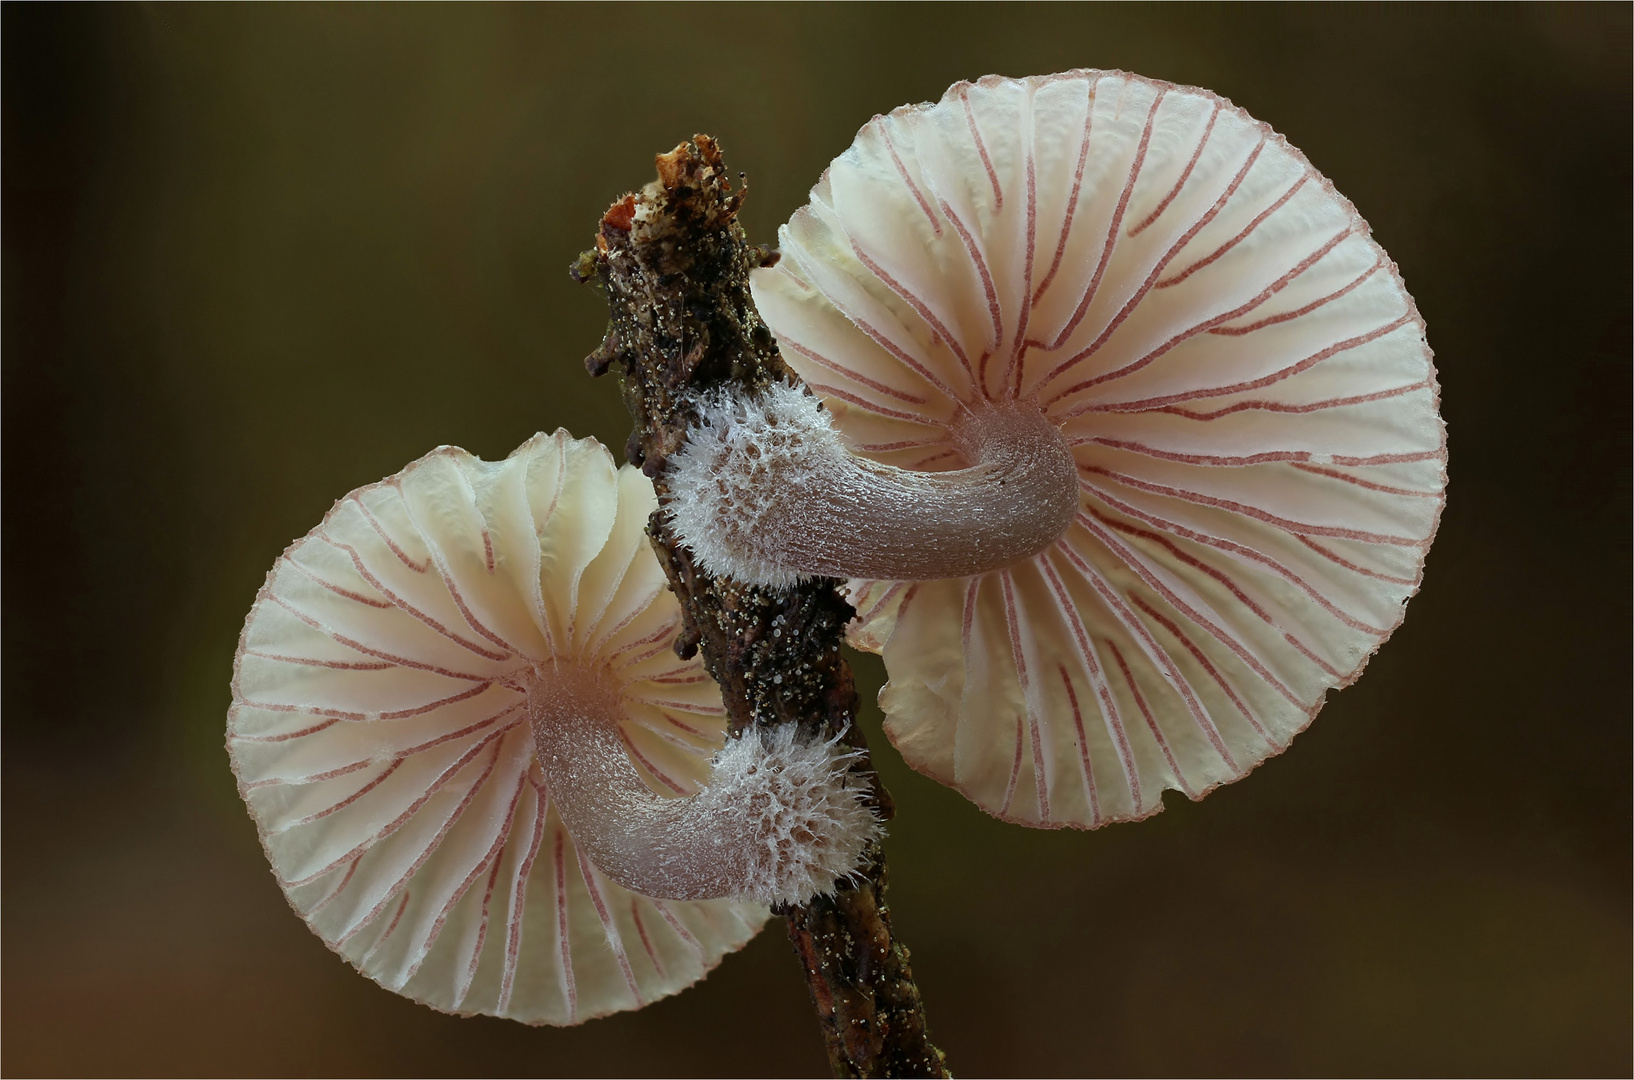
pixel 776 823
pixel 768 493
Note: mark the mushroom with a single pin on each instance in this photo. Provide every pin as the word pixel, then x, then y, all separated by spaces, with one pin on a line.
pixel 477 766
pixel 1128 438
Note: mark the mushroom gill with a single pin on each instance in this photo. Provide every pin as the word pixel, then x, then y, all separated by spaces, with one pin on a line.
pixel 1234 369
pixel 471 751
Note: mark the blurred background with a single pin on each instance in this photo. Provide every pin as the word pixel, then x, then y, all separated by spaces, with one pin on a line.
pixel 256 256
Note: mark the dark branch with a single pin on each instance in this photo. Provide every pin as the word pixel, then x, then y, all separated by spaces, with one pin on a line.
pixel 675 267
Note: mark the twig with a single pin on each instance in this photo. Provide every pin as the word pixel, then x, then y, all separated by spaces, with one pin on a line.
pixel 674 264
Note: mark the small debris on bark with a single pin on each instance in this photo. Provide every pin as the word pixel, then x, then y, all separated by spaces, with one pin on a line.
pixel 674 264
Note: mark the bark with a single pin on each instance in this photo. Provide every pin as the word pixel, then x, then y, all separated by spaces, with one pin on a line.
pixel 674 264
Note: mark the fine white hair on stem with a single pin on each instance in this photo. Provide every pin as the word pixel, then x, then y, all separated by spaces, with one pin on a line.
pixel 766 491
pixel 807 813
pixel 779 821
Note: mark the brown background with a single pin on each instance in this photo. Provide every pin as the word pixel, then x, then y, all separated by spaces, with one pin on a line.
pixel 257 256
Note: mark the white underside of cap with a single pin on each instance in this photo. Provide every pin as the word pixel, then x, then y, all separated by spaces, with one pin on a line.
pixel 380 740
pixel 1243 379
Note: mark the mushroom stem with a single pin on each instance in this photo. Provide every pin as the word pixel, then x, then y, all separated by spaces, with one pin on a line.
pixel 766 492
pixel 776 823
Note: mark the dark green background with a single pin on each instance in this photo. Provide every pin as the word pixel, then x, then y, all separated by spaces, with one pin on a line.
pixel 255 256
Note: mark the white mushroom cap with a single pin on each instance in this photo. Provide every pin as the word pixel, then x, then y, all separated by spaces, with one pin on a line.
pixel 380 733
pixel 1240 375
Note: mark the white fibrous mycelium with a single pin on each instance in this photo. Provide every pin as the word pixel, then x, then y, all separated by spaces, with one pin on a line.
pixel 765 491
pixel 775 824
pixel 478 768
pixel 1129 441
